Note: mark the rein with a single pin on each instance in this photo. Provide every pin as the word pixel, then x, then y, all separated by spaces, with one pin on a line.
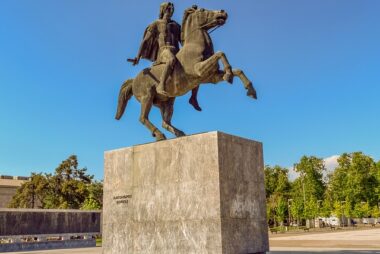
pixel 201 27
pixel 214 29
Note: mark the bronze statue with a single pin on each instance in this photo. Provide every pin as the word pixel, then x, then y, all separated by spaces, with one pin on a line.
pixel 170 77
pixel 160 45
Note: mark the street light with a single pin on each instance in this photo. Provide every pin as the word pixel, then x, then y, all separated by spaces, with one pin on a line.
pixel 302 174
pixel 289 202
pixel 318 204
pixel 318 215
pixel 341 204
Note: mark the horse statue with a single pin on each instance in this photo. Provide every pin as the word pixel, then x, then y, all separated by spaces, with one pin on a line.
pixel 197 64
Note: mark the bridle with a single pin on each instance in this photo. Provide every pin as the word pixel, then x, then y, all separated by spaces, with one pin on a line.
pixel 201 27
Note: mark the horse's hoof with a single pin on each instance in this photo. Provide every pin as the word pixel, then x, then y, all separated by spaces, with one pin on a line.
pixel 252 93
pixel 180 134
pixel 160 137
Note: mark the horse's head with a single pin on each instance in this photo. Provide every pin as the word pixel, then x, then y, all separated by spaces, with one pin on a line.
pixel 195 19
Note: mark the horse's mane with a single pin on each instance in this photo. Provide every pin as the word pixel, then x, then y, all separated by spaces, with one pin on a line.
pixel 186 23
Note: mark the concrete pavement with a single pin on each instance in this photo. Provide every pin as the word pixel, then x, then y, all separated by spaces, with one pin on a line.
pixel 340 242
pixel 352 239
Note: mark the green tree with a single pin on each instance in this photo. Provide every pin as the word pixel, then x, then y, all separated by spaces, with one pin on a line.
pixel 296 208
pixel 281 210
pixel 362 210
pixel 31 194
pixel 325 208
pixel 375 212
pixel 338 209
pixel 94 200
pixel 309 187
pixel 69 187
pixel 355 181
pixel 277 188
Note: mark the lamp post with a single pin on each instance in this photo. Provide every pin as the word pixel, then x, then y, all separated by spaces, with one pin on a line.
pixel 362 211
pixel 303 187
pixel 341 204
pixel 318 215
pixel 289 202
pixel 318 204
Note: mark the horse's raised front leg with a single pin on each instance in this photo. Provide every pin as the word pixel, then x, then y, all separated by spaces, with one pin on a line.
pixel 218 77
pixel 251 92
pixel 167 114
pixel 146 105
pixel 208 66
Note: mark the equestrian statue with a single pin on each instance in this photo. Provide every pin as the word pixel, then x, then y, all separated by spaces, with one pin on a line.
pixel 175 71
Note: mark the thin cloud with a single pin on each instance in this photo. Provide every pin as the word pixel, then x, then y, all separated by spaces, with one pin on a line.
pixel 331 163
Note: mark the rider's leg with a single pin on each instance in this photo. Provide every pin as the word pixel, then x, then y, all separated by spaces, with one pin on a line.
pixel 168 69
pixel 194 100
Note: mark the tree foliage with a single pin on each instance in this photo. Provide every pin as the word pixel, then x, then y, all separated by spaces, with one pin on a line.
pixel 277 192
pixel 70 187
pixel 355 181
pixel 351 190
pixel 309 187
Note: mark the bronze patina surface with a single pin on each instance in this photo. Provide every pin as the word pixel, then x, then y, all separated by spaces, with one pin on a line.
pixel 176 71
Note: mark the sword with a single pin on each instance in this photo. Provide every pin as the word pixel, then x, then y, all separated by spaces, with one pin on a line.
pixel 134 61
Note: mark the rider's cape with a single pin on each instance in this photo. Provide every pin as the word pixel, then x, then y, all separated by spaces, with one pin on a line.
pixel 151 47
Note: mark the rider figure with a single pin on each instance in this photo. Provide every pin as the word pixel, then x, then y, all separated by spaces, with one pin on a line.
pixel 160 45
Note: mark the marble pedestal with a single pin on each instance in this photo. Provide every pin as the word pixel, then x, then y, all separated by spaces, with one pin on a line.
pixel 197 194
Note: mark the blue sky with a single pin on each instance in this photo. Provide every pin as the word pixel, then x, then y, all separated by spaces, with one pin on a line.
pixel 315 65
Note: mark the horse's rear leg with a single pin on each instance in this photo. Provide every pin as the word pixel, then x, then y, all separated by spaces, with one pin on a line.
pixel 146 105
pixel 167 113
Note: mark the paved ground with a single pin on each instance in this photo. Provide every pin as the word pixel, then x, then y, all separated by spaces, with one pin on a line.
pixel 323 251
pixel 275 250
pixel 341 242
pixel 96 250
pixel 354 239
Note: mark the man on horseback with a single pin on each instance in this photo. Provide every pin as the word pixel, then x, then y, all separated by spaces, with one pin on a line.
pixel 160 45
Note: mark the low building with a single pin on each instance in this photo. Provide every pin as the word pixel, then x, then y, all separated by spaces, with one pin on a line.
pixel 8 187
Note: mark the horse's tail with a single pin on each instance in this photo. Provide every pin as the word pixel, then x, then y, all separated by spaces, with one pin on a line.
pixel 124 95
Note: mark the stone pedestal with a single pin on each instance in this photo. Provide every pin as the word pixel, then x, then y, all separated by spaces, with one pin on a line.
pixel 197 194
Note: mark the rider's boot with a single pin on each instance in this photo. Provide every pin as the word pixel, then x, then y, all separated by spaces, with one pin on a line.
pixel 193 99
